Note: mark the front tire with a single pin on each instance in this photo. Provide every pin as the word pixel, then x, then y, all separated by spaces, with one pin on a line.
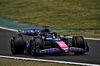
pixel 79 42
pixel 36 46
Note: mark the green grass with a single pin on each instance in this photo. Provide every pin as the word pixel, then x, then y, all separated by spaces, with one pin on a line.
pixel 58 14
pixel 84 33
pixel 11 62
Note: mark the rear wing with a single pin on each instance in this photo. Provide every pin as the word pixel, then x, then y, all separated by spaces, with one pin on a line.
pixel 29 32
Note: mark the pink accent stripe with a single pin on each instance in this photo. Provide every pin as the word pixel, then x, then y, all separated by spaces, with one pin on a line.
pixel 62 45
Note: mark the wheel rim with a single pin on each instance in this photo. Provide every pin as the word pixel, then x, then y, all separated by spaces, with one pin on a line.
pixel 12 46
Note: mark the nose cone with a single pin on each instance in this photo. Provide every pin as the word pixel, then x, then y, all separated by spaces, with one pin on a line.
pixel 62 45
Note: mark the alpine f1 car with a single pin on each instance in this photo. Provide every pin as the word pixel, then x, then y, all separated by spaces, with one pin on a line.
pixel 44 41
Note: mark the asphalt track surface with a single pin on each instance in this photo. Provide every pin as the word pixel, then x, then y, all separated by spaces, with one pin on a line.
pixel 92 57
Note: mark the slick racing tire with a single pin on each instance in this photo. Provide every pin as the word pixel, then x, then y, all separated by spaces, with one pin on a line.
pixel 17 45
pixel 36 46
pixel 78 41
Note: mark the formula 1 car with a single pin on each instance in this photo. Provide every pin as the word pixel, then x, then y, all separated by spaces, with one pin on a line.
pixel 44 41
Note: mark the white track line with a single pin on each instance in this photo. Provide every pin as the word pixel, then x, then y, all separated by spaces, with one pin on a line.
pixel 20 58
pixel 65 62
pixel 8 29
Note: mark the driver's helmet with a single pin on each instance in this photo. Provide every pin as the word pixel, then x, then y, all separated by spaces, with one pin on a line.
pixel 48 35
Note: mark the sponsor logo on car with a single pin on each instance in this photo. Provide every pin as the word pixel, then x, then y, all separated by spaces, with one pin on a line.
pixel 49 50
pixel 76 49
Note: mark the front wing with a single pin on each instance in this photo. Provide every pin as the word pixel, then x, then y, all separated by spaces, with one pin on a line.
pixel 53 50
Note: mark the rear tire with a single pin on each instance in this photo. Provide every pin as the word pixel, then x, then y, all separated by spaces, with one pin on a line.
pixel 17 45
pixel 79 42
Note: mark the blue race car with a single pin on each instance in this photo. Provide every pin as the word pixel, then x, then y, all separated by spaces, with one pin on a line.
pixel 44 41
